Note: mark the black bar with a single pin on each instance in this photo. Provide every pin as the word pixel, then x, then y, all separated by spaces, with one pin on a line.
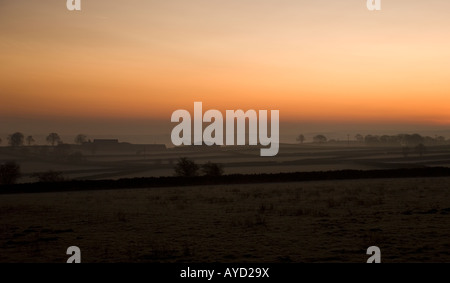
pixel 269 272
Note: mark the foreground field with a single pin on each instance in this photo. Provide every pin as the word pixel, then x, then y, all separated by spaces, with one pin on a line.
pixel 333 221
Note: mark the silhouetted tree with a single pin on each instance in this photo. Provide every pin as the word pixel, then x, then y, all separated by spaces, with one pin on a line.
pixel 30 140
pixel 389 139
pixel 359 138
pixel 53 138
pixel 404 139
pixel 385 139
pixel 80 139
pixel 301 138
pixel 440 139
pixel 186 168
pixel 410 140
pixel 395 139
pixel 49 176
pixel 415 139
pixel 320 139
pixel 212 169
pixel 429 140
pixel 371 139
pixel 16 139
pixel 420 149
pixel 9 173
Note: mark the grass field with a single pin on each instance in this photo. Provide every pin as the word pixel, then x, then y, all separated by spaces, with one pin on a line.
pixel 327 221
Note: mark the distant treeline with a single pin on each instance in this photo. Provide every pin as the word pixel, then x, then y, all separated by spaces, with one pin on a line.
pixel 403 139
pixel 154 182
pixel 399 139
pixel 19 139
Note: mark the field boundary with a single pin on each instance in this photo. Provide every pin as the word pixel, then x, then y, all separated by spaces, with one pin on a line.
pixel 157 182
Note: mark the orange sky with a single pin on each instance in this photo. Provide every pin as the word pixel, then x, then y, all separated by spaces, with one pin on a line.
pixel 321 60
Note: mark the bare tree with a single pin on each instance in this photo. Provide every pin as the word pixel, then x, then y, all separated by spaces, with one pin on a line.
pixel 16 139
pixel 80 139
pixel 53 138
pixel 30 140
pixel 212 169
pixel 301 138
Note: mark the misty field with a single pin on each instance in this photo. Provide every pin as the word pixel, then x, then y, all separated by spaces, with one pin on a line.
pixel 121 163
pixel 329 221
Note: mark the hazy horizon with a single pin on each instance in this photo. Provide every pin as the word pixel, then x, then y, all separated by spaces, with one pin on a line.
pixel 144 132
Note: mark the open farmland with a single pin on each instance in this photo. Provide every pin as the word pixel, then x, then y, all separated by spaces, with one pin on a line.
pixel 126 163
pixel 321 221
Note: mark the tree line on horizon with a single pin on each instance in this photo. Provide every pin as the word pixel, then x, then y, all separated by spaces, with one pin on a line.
pixel 399 139
pixel 18 139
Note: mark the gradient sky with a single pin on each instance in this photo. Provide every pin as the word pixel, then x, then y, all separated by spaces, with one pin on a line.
pixel 317 61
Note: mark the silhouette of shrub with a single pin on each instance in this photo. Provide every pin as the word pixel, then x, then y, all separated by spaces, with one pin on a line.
pixel 320 139
pixel 186 168
pixel 9 173
pixel 212 169
pixel 53 139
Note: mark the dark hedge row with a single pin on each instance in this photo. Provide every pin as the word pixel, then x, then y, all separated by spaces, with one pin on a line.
pixel 223 180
